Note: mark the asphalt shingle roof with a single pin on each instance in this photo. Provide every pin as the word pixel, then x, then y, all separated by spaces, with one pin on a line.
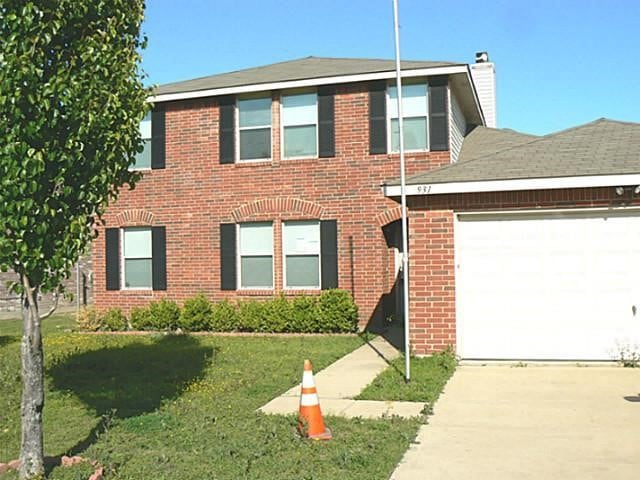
pixel 300 69
pixel 602 147
pixel 483 141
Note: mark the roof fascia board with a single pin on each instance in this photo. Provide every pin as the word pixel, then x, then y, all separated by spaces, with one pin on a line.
pixel 260 87
pixel 515 184
pixel 476 98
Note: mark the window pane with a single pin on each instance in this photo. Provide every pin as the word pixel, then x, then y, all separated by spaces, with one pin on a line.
pixel 137 272
pixel 256 271
pixel 415 134
pixel 301 238
pixel 414 101
pixel 303 271
pixel 255 143
pixel 145 126
pixel 255 112
pixel 299 109
pixel 300 141
pixel 143 159
pixel 256 238
pixel 137 243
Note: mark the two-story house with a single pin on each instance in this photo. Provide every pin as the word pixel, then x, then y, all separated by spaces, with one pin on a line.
pixel 279 179
pixel 267 180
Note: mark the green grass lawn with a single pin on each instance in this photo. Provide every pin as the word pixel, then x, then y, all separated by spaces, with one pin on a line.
pixel 183 407
pixel 428 377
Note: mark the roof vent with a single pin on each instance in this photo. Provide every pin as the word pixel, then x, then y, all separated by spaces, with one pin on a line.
pixel 482 57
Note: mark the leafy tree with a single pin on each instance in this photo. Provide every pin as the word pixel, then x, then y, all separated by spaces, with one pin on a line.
pixel 71 99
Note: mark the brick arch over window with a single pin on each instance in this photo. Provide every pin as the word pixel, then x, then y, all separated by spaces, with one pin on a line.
pixel 134 218
pixel 388 216
pixel 276 207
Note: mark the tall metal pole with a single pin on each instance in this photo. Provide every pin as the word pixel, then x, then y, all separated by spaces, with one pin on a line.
pixel 403 200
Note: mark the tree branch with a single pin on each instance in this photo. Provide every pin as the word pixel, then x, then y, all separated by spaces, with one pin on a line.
pixel 56 295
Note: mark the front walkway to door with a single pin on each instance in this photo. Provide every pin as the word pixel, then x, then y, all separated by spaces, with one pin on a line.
pixel 531 422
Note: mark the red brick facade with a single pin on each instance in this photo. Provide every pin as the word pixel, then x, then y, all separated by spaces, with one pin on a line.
pixel 195 193
pixel 432 253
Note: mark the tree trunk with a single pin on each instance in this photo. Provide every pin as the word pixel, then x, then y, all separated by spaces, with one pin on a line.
pixel 31 450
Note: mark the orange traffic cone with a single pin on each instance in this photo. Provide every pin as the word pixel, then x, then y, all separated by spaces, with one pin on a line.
pixel 310 422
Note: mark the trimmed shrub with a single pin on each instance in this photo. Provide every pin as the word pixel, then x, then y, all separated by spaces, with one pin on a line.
pixel 165 314
pixel 250 316
pixel 303 316
pixel 88 320
pixel 162 315
pixel 337 312
pixel 224 317
pixel 197 314
pixel 276 315
pixel 140 318
pixel 113 320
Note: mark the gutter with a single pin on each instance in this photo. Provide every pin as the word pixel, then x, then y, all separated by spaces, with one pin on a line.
pixel 586 181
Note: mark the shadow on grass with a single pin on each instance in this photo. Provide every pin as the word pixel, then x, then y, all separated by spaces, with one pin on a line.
pixel 7 339
pixel 130 380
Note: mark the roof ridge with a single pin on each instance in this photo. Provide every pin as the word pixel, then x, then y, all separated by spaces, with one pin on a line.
pixel 539 138
pixel 308 57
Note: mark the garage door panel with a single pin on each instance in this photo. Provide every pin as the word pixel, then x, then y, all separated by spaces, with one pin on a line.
pixel 547 287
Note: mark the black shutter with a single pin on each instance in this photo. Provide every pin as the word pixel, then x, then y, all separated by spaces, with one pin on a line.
pixel 112 239
pixel 326 122
pixel 227 129
pixel 158 148
pixel 378 117
pixel 438 114
pixel 228 256
pixel 329 253
pixel 159 258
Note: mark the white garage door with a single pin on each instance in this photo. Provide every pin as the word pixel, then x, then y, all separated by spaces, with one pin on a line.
pixel 547 286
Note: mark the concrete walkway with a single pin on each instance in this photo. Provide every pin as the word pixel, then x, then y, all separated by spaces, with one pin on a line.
pixel 536 422
pixel 341 381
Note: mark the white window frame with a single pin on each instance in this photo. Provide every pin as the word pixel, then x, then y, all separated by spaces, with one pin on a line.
pixel 239 259
pixel 148 117
pixel 405 117
pixel 282 125
pixel 237 128
pixel 123 284
pixel 284 257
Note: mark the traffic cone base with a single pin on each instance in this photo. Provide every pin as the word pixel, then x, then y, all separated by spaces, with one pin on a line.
pixel 310 421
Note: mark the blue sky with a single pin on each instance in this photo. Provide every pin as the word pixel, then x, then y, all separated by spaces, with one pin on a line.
pixel 559 63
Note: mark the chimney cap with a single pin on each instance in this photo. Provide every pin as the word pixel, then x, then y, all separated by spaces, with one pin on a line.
pixel 482 57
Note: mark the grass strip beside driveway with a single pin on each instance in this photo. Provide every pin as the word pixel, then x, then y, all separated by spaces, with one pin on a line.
pixel 428 377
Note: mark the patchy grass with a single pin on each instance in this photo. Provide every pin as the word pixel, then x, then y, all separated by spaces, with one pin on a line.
pixel 428 377
pixel 167 407
pixel 60 322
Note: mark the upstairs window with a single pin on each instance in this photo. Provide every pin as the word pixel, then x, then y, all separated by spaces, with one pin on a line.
pixel 256 255
pixel 254 128
pixel 415 113
pixel 143 159
pixel 300 125
pixel 301 250
pixel 137 258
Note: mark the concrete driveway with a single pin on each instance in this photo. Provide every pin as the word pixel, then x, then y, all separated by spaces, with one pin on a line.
pixel 533 422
